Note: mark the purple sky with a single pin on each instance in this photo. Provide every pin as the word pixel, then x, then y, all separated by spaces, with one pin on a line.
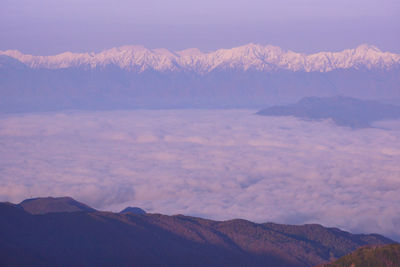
pixel 48 26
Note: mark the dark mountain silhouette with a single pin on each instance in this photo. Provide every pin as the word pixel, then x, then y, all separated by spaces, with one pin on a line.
pixel 376 256
pixel 134 210
pixel 344 111
pixel 51 204
pixel 104 238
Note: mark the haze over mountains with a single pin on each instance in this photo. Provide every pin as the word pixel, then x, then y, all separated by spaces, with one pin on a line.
pixel 217 164
pixel 343 111
pixel 247 76
pixel 87 237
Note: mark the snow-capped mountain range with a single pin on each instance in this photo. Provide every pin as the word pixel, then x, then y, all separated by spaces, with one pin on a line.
pixel 247 57
pixel 250 76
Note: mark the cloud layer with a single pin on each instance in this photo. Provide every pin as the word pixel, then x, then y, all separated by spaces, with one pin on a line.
pixel 217 164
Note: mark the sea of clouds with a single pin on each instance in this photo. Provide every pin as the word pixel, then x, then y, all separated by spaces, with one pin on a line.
pixel 218 164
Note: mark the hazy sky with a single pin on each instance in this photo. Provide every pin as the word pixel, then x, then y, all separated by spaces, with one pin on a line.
pixel 49 26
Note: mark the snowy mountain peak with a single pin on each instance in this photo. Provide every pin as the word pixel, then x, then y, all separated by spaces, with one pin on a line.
pixel 367 47
pixel 247 57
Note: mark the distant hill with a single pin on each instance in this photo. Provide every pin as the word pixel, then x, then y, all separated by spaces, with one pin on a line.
pixel 344 111
pixel 51 204
pixel 376 256
pixel 134 210
pixel 94 238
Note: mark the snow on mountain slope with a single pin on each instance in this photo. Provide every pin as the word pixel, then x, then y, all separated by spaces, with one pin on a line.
pixel 247 57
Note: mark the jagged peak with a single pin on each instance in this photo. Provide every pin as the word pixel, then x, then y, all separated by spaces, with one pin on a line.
pixel 249 56
pixel 131 48
pixel 12 53
pixel 367 47
pixel 250 46
pixel 247 48
pixel 163 52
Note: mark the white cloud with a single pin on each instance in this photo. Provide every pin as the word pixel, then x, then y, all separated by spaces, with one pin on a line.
pixel 217 164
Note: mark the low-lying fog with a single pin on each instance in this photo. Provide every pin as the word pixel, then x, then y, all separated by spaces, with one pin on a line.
pixel 218 164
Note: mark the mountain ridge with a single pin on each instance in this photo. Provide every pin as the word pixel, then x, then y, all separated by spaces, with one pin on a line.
pixel 247 57
pixel 377 256
pixel 251 76
pixel 109 239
